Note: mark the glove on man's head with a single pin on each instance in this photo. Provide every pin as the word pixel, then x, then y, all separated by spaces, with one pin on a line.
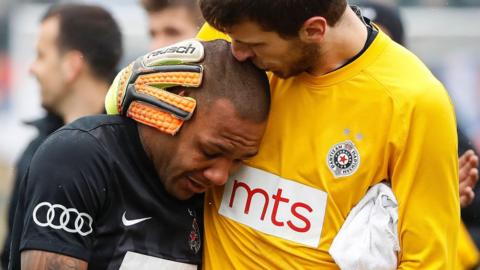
pixel 161 89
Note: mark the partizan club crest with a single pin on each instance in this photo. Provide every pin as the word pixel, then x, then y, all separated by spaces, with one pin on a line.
pixel 343 159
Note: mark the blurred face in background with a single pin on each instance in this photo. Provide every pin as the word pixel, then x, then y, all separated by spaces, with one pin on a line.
pixel 170 25
pixel 48 67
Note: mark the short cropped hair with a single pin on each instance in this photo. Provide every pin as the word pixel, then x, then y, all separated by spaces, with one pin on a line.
pixel 92 31
pixel 284 17
pixel 192 6
pixel 241 83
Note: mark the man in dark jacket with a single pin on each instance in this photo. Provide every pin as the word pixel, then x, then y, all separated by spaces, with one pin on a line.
pixel 78 49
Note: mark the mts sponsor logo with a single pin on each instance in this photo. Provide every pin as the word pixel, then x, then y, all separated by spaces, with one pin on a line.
pixel 275 206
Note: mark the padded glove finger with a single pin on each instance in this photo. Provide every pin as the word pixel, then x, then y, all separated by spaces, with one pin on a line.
pixel 139 90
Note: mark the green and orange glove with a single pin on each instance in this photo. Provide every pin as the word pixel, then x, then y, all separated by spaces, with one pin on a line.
pixel 140 91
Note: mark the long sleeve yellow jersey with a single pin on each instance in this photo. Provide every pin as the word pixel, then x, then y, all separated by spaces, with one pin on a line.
pixel 383 117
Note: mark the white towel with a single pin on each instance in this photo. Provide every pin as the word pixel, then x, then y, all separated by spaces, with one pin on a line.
pixel 368 239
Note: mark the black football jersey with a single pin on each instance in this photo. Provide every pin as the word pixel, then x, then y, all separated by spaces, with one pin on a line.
pixel 92 193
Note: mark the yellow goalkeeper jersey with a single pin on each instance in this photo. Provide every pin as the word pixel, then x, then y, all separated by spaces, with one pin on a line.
pixel 329 138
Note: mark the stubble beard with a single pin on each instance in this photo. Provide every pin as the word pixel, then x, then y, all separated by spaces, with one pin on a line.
pixel 309 54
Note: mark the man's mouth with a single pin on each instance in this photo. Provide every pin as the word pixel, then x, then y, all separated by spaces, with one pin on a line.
pixel 195 185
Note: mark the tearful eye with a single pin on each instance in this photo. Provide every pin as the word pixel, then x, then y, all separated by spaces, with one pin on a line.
pixel 257 46
pixel 172 32
pixel 209 155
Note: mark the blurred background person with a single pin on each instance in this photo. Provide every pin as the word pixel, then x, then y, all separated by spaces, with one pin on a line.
pixel 4 57
pixel 388 18
pixel 78 49
pixel 170 21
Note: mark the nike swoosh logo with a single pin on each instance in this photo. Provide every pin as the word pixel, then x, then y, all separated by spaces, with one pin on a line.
pixel 131 222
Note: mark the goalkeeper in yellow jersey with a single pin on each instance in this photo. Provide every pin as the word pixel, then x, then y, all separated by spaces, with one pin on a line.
pixel 350 109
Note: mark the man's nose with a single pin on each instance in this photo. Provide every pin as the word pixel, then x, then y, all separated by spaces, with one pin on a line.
pixel 31 68
pixel 219 171
pixel 241 52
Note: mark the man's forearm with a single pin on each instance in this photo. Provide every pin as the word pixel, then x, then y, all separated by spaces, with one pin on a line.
pixel 40 260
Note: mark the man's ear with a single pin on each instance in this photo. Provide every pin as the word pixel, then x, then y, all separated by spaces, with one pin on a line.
pixel 73 65
pixel 313 29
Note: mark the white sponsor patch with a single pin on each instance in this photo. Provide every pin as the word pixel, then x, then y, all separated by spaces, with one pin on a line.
pixel 275 206
pixel 137 261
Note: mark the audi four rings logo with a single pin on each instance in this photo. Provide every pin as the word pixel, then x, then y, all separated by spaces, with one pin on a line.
pixel 82 223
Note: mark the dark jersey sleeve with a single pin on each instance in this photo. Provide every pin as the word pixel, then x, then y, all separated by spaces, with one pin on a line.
pixel 64 193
